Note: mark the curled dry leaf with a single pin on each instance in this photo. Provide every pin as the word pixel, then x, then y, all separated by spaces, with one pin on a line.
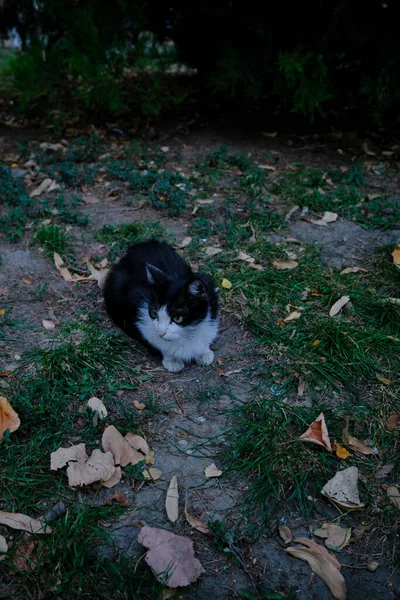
pixel 396 256
pixel 245 257
pixel 24 559
pixel 317 433
pixel 139 405
pixel 185 242
pixel 58 261
pixel 212 471
pixel 292 316
pixel 336 537
pixel 170 556
pixel 213 251
pixel 196 523
pixel 113 480
pixel 226 284
pixel 383 379
pixel 341 451
pixel 99 467
pixel 285 264
pixel 337 307
pixel 63 456
pixel 172 500
pixel 3 547
pixel 323 564
pixel 342 489
pixel 151 474
pixel 120 448
pixel 26 280
pixel 150 458
pixel 99 275
pixel 393 421
pixel 328 217
pixel 353 270
pixel 286 534
pixel 43 187
pixel 393 492
pixel 138 443
pixel 367 149
pixel 23 522
pixel 372 566
pixel 384 471
pixel 98 407
pixel 354 443
pixel 48 325
pixel 9 419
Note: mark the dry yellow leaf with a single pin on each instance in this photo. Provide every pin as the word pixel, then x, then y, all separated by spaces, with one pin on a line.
pixel 8 417
pixel 2 312
pixel 226 284
pixel 341 451
pixel 26 280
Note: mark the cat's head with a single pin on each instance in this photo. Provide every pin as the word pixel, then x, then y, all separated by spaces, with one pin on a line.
pixel 175 305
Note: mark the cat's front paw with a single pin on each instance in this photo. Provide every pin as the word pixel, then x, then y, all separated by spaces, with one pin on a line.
pixel 206 358
pixel 173 366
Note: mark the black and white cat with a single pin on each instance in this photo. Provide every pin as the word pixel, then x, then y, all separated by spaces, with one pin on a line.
pixel 153 295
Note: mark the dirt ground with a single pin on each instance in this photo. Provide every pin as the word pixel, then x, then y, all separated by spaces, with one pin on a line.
pixel 188 435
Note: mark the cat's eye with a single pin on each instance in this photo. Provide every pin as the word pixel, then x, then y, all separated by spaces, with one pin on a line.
pixel 153 314
pixel 178 319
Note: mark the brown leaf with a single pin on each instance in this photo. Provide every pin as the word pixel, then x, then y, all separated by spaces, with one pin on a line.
pixel 383 379
pixel 63 456
pixel 138 443
pixel 285 264
pixel 342 489
pixel 212 471
pixel 26 280
pixel 100 276
pixel 113 480
pixel 268 134
pixel 185 242
pixel 119 447
pixel 317 433
pixel 44 186
pixel 23 522
pixel 396 256
pixel 170 556
pixel 336 537
pixel 197 523
pixel 213 251
pixel 328 217
pixel 24 558
pixel 292 316
pixel 341 451
pixel 97 407
pixel 337 307
pixel 139 405
pixel 90 199
pixel 322 564
pixel 58 261
pixel 301 388
pixel 393 421
pixel 3 547
pixel 393 492
pixel 120 498
pixel 286 534
pixel 48 325
pixel 2 312
pixel 172 500
pixel 99 467
pixel 8 417
pixel 354 443
pixel 245 257
pixel 353 270
pixel 384 471
pixel 372 566
pixel 367 149
pixel 151 474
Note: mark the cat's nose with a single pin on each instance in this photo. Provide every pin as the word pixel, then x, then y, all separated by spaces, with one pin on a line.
pixel 162 333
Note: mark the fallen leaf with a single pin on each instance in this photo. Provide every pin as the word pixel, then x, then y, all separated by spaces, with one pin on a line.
pixel 383 379
pixel 336 537
pixel 113 480
pixel 317 433
pixel 3 547
pixel 63 456
pixel 396 256
pixel 58 261
pixel 138 443
pixel 322 564
pixel 342 489
pixel 185 242
pixel 328 217
pixel 341 451
pixel 23 559
pixel 48 324
pixel 353 270
pixel 226 284
pixel 205 202
pixel 213 251
pixel 393 421
pixel 99 467
pixel 120 498
pixel 285 264
pixel 2 312
pixel 46 183
pixel 245 257
pixel 98 407
pixel 372 566
pixel 90 199
pixel 384 471
pixel 26 280
pixel 337 307
pixel 139 405
pixel 9 419
pixel 53 186
pixel 151 474
pixel 292 316
pixel 172 500
pixel 367 149
pixel 170 556
pixel 393 493
pixel 316 343
pixel 354 443
pixel 268 134
pixel 286 534
pixel 197 523
pixel 119 447
pixel 301 388
pixel 150 458
pixel 212 471
pixel 23 522
pixel 100 276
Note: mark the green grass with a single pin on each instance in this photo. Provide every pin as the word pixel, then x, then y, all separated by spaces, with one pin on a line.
pixel 52 238
pixel 119 237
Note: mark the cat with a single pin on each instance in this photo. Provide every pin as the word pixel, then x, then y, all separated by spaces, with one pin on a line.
pixel 154 296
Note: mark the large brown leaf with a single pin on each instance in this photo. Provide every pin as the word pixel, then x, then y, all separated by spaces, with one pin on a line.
pixel 120 448
pixel 354 443
pixel 170 556
pixel 8 417
pixel 99 467
pixel 317 433
pixel 342 489
pixel 23 522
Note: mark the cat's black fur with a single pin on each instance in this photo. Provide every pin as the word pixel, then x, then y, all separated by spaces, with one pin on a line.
pixel 127 287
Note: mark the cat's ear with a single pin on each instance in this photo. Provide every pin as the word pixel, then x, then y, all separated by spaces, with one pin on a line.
pixel 155 275
pixel 197 288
